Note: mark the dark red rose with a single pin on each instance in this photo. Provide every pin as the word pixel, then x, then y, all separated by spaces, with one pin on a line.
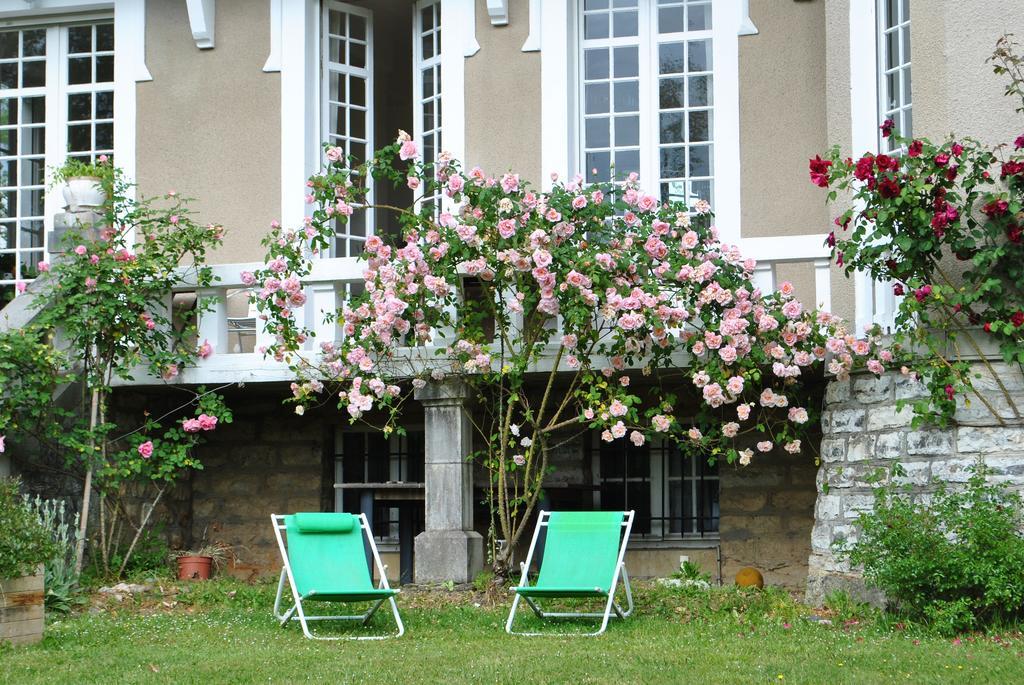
pixel 841 222
pixel 819 171
pixel 951 173
pixel 915 148
pixel 958 149
pixel 887 127
pixel 839 259
pixel 1014 234
pixel 891 264
pixel 949 392
pixel 923 292
pixel 941 159
pixel 889 188
pixel 1011 168
pixel 1017 319
pixel 830 240
pixel 987 327
pixel 897 289
pixel 1019 142
pixel 886 163
pixel 865 168
pixel 996 208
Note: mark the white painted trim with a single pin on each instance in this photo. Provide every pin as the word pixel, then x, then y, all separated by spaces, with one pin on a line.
pixel 497 10
pixel 300 104
pixel 787 248
pixel 201 15
pixel 45 9
pixel 273 62
pixel 458 41
pixel 557 57
pixel 532 42
pixel 726 19
pixel 747 27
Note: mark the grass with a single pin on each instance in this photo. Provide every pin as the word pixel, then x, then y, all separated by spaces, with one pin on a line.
pixel 222 632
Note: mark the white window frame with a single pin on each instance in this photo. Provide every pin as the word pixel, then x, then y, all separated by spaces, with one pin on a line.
pixel 903 107
pixel 419 65
pixel 329 68
pixel 559 35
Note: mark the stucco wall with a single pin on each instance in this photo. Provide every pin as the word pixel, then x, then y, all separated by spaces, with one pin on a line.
pixel 953 89
pixel 503 97
pixel 782 118
pixel 209 123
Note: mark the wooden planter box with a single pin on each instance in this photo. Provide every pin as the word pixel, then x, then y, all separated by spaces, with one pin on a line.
pixel 21 609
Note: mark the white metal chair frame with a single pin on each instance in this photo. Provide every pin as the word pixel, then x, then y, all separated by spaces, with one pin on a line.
pixel 611 606
pixel 297 613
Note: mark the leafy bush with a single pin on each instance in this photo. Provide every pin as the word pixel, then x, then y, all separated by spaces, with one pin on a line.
pixel 24 541
pixel 62 587
pixel 955 562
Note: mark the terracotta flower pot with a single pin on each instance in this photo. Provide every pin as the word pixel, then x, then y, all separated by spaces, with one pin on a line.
pixel 194 568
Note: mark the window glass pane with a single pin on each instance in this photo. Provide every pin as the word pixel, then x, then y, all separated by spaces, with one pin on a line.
pixel 672 93
pixel 627 130
pixel 595 64
pixel 699 18
pixel 104 37
pixel 597 134
pixel 595 26
pixel 357 55
pixel 671 129
pixel 700 91
pixel 627 62
pixel 79 70
pixel 33 110
pixel 673 162
pixel 700 160
pixel 8 174
pixel 104 136
pixel 595 5
pixel 907 99
pixel 596 96
pixel 80 39
pixel 626 162
pixel 79 138
pixel 671 58
pixel 34 43
pixel 79 106
pixel 670 19
pixel 699 55
pixel 700 128
pixel 627 96
pixel 598 164
pixel 105 105
pixel 8 45
pixel 33 74
pixel 357 27
pixel 625 24
pixel 105 69
pixel 8 75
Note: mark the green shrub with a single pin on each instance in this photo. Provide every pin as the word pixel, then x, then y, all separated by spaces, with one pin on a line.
pixel 62 589
pixel 24 541
pixel 954 562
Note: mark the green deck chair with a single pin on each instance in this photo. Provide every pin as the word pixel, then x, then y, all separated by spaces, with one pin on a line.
pixel 324 560
pixel 583 557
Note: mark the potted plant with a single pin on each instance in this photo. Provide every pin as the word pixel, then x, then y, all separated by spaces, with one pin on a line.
pixel 86 185
pixel 199 564
pixel 24 545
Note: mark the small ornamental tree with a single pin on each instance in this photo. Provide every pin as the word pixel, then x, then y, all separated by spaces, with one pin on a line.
pixel 583 307
pixel 944 223
pixel 107 303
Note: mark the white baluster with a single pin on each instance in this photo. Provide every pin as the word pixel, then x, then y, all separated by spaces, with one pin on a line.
pixel 823 283
pixel 213 322
pixel 322 302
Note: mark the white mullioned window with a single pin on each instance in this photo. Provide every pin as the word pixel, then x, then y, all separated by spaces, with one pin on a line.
pixel 426 52
pixel 347 117
pixel 646 94
pixel 894 87
pixel 56 102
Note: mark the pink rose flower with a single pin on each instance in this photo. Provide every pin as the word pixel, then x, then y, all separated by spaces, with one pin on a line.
pixel 637 438
pixel 205 350
pixel 408 150
pixel 146 449
pixel 207 422
pixel 191 425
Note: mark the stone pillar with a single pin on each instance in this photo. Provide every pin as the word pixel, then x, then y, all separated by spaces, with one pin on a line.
pixel 449 548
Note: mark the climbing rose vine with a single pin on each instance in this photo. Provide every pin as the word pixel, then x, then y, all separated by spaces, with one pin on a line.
pixel 581 307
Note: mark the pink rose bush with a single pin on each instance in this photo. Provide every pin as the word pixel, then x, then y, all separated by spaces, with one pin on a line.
pixel 584 286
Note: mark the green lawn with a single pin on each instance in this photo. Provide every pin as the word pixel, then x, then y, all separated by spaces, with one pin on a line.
pixel 223 633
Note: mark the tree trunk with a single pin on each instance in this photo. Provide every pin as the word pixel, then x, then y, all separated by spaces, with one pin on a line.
pixel 83 523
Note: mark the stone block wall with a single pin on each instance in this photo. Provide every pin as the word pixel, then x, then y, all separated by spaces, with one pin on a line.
pixel 864 434
pixel 767 512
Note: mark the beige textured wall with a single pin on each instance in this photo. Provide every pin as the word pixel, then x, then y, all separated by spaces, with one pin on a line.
pixel 782 118
pixel 503 96
pixel 209 123
pixel 953 89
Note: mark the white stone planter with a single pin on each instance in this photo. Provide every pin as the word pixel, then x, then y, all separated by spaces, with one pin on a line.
pixel 84 191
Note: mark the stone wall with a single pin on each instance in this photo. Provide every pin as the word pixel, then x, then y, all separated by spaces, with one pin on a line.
pixel 864 434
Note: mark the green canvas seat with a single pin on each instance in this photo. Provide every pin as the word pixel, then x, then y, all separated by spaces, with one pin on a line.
pixel 583 557
pixel 325 560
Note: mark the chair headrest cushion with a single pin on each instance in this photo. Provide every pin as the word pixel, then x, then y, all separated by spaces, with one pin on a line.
pixel 316 522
